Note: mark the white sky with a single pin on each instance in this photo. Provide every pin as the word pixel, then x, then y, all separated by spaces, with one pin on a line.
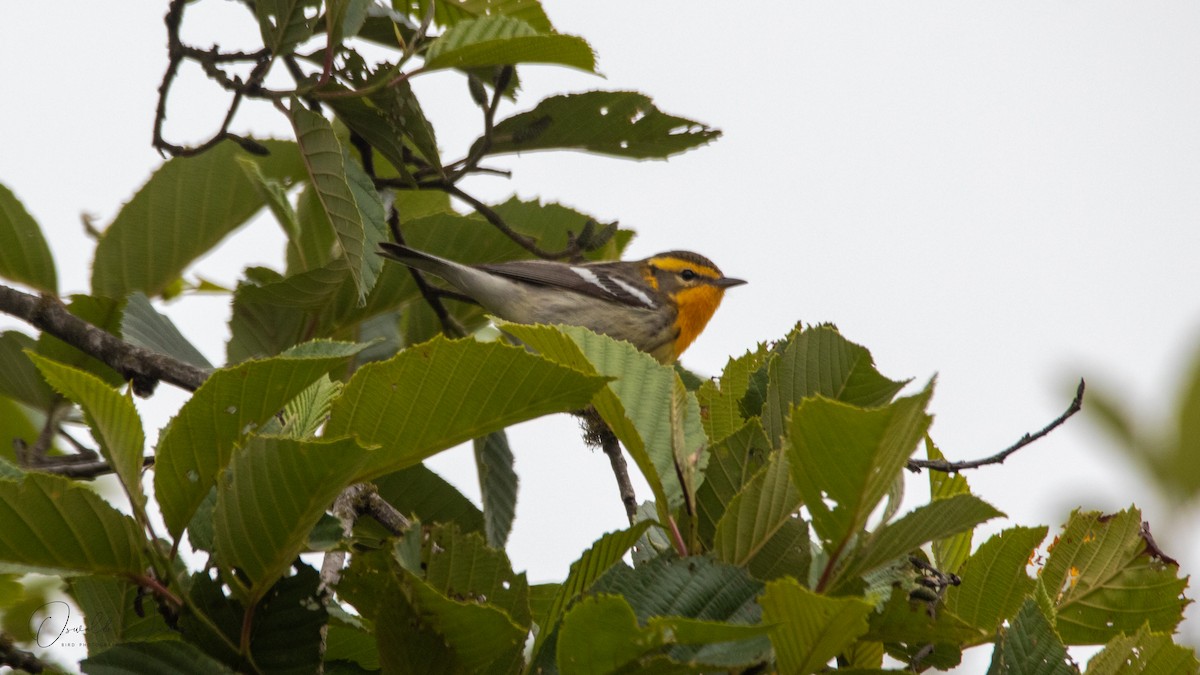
pixel 1004 194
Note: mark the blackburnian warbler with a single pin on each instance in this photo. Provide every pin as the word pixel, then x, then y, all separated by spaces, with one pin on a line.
pixel 659 304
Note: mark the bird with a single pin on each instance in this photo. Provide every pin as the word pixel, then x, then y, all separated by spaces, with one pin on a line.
pixel 659 304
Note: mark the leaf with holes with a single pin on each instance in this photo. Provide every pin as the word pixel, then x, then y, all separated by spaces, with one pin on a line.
pixel 618 123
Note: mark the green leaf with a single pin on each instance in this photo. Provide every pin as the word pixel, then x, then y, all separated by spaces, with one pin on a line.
pixel 935 520
pixel 451 13
pixel 731 464
pixel 757 513
pixel 24 255
pixel 199 441
pixel 315 242
pixel 994 581
pixel 617 123
pixel 594 562
pixel 810 629
pixel 844 459
pixel 720 398
pixel 15 422
pixel 819 361
pixel 144 326
pixel 600 635
pixel 19 378
pixel 352 207
pixel 497 485
pixel 53 525
pixel 636 405
pixel 460 565
pixel 304 415
pixel 153 657
pixel 112 418
pixel 435 395
pixel 109 610
pixel 1030 647
pixel 260 327
pixel 504 40
pixel 903 620
pixel 272 494
pixel 187 207
pixel 951 552
pixel 1105 580
pixel 283 23
pixel 419 492
pixel 1143 653
pixel 699 588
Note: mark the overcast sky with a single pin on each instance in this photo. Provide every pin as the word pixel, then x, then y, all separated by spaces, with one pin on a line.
pixel 1001 194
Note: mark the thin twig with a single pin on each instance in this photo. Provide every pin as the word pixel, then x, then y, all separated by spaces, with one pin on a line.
pixel 77 466
pixel 18 659
pixel 526 242
pixel 481 146
pixel 450 325
pixel 596 432
pixel 950 467
pixel 144 367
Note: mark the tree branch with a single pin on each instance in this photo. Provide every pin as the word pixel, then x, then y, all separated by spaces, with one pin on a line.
pixel 597 433
pixel 18 659
pixel 946 466
pixel 143 367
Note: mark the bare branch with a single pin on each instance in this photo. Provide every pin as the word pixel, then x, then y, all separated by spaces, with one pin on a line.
pixel 143 367
pixel 79 466
pixel 18 659
pixel 951 467
pixel 597 433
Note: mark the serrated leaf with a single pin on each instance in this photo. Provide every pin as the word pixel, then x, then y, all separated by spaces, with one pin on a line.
pixel 1030 647
pixel 187 207
pixel 24 255
pixel 55 526
pixel 1105 581
pixel 451 13
pixel 636 405
pixel 259 327
pixel 144 326
pixel 757 513
pixel 819 361
pixel 720 398
pixel 696 587
pixel 994 581
pixel 460 565
pixel 902 619
pixel 950 553
pixel 111 616
pixel 112 418
pixel 731 464
pixel 594 562
pixel 1143 653
pixel 497 485
pixel 810 629
pixel 199 441
pixel 935 520
pixel 617 123
pixel 844 459
pixel 435 395
pixel 504 40
pixel 340 184
pixel 272 494
pixel 153 657
pixel 304 415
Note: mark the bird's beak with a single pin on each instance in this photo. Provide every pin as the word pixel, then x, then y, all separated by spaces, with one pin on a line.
pixel 728 282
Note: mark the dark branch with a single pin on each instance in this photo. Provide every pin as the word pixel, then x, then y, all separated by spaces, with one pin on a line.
pixel 143 367
pixel 433 298
pixel 998 458
pixel 597 433
pixel 78 466
pixel 18 659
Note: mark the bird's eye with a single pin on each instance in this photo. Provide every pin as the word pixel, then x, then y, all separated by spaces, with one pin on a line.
pixel 687 275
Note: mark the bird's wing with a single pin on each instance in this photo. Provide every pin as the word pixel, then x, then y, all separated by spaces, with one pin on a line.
pixel 590 280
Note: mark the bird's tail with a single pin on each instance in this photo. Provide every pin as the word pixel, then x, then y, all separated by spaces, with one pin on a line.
pixel 463 277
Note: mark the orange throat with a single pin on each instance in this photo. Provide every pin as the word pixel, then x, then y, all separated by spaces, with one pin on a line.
pixel 696 307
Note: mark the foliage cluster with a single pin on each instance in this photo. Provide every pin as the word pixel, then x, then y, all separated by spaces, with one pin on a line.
pixel 773 540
